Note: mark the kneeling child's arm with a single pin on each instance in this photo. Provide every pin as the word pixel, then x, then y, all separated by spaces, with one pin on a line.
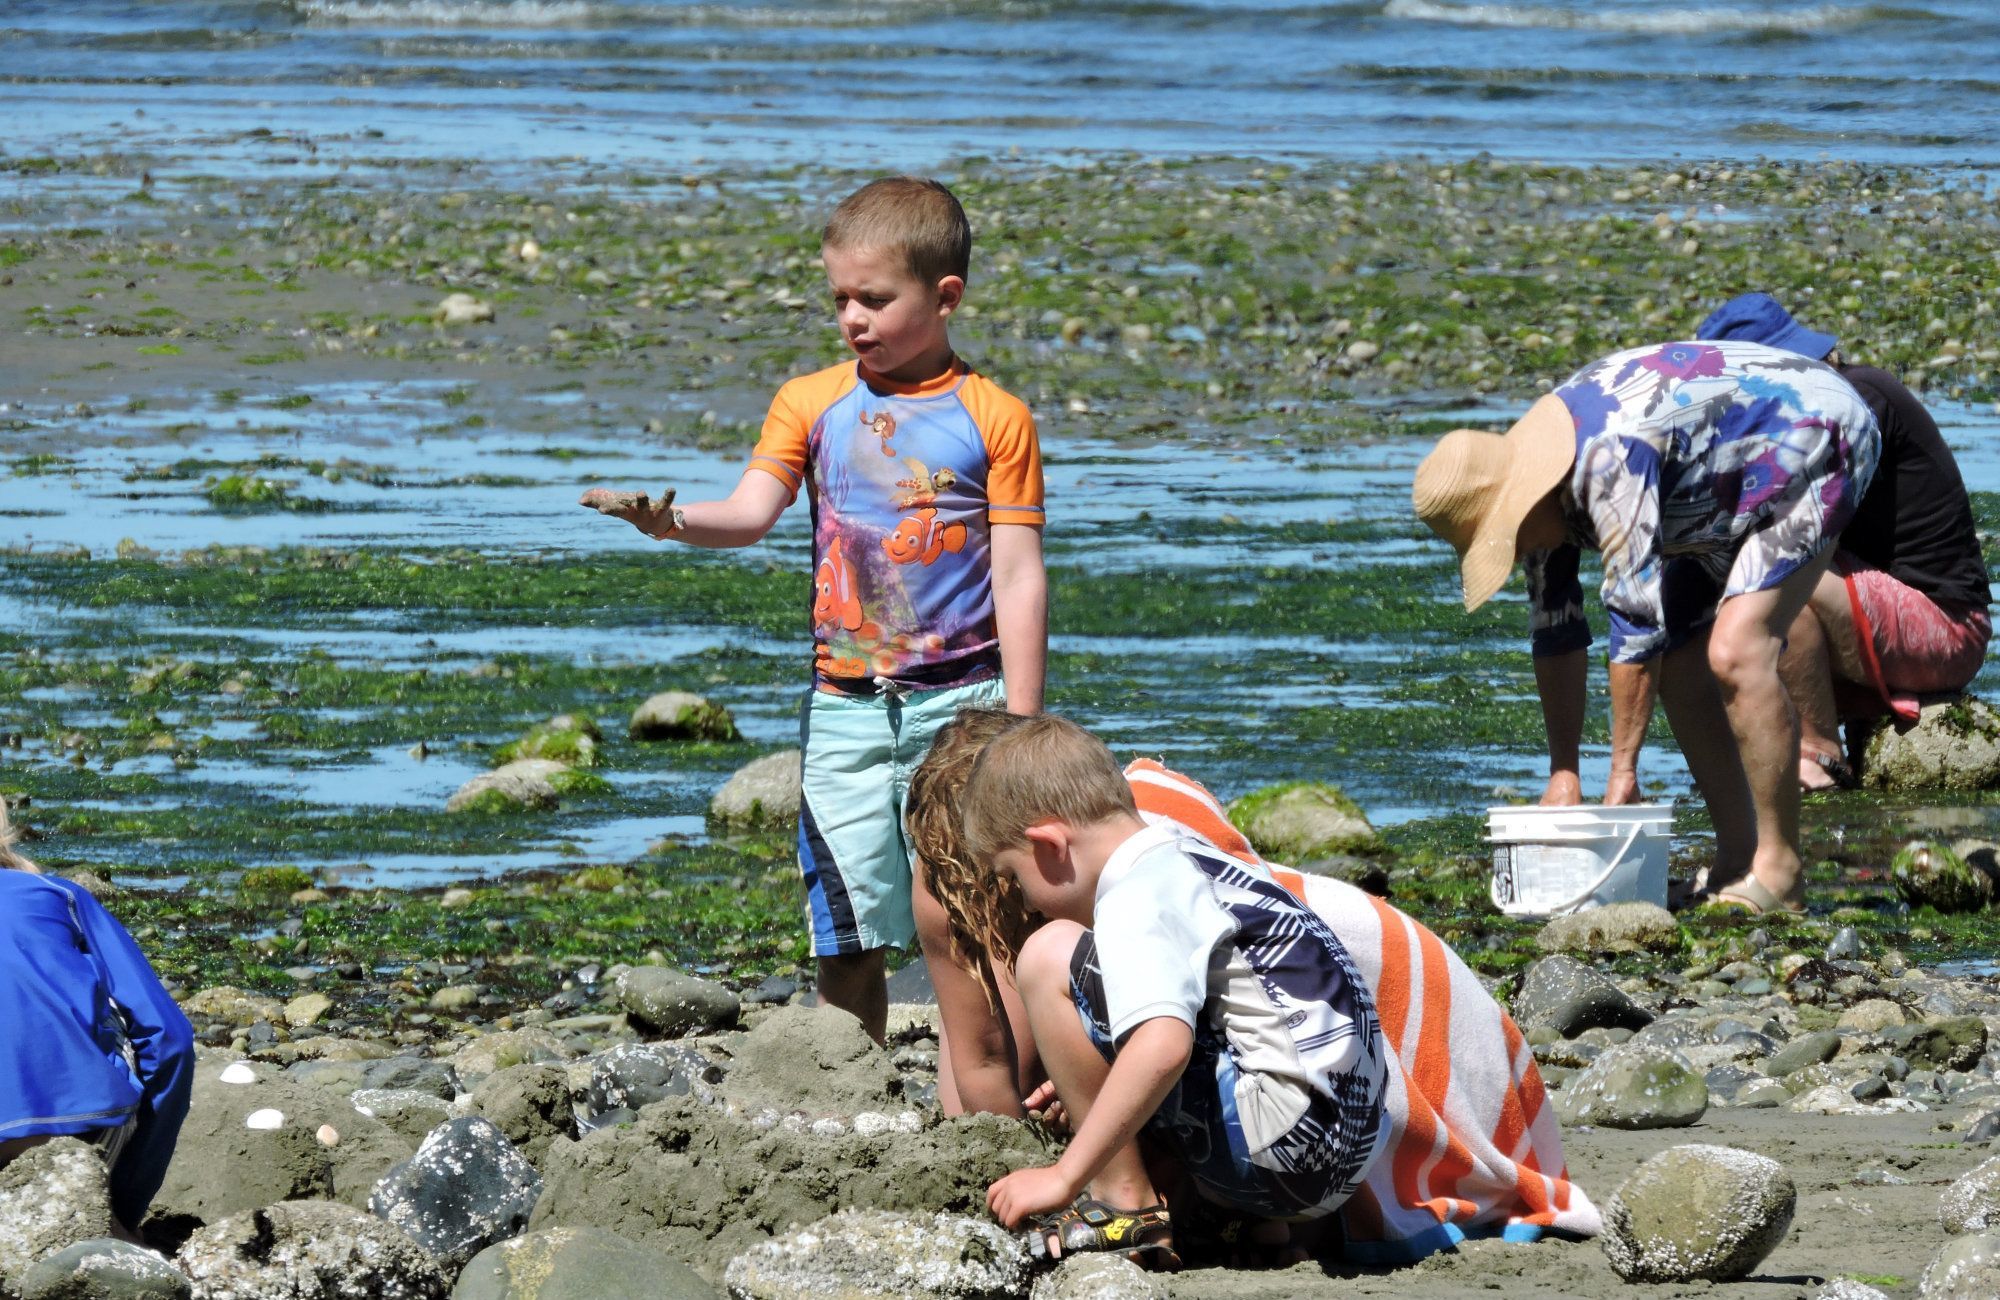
pixel 1152 1059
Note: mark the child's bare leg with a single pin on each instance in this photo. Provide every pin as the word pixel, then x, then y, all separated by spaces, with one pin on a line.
pixel 1075 1065
pixel 975 1067
pixel 855 982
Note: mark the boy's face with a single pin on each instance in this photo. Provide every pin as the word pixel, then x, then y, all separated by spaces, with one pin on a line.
pixel 894 321
pixel 1044 869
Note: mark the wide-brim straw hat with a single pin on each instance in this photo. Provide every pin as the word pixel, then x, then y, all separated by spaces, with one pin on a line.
pixel 1475 488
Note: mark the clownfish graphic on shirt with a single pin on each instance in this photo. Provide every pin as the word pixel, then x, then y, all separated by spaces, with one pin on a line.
pixel 905 483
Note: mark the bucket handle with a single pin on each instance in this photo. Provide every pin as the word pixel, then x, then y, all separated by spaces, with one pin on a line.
pixel 1493 886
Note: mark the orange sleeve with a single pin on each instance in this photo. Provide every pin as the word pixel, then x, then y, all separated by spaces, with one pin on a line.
pixel 1013 453
pixel 788 425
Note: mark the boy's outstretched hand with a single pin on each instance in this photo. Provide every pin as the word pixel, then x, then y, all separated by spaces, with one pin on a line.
pixel 1027 1192
pixel 651 517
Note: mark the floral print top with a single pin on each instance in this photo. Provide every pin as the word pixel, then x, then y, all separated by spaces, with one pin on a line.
pixel 1703 470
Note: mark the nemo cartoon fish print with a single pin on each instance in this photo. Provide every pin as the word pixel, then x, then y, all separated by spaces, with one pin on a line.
pixel 920 539
pixel 835 604
pixel 882 425
pixel 922 487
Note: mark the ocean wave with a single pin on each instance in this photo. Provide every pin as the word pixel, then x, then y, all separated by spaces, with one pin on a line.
pixel 1652 21
pixel 576 13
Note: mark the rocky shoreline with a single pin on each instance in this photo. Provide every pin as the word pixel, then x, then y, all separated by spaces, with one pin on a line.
pixel 693 1143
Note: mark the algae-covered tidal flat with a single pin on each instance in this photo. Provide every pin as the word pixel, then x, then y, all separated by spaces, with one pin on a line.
pixel 291 560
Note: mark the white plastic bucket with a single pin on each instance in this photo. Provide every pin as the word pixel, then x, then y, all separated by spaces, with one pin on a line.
pixel 1547 861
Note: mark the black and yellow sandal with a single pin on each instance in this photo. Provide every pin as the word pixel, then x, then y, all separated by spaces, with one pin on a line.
pixel 1144 1236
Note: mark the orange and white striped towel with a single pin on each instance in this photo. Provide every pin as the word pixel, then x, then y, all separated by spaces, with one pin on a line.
pixel 1473 1148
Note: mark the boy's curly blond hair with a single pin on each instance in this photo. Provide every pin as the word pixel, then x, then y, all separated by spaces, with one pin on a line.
pixel 986 914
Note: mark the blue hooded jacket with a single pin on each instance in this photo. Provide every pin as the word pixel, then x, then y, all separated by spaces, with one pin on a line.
pixel 74 987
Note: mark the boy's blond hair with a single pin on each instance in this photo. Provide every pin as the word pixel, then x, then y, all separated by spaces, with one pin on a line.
pixel 911 215
pixel 985 914
pixel 1048 768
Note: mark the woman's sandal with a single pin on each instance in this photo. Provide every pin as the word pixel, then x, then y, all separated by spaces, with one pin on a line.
pixel 1841 775
pixel 1144 1236
pixel 1749 895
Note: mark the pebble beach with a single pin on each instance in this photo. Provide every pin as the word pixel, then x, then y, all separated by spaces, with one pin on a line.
pixel 458 818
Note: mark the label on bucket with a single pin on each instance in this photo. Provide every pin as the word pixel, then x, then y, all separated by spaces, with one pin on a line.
pixel 1541 875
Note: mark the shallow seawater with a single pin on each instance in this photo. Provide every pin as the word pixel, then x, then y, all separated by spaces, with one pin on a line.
pixel 1199 616
pixel 303 85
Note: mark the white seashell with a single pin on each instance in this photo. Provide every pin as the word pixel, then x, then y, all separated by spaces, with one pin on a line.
pixel 530 250
pixel 265 1120
pixel 237 1072
pixel 328 1135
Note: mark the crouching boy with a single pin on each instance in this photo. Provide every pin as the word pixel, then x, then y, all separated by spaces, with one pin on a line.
pixel 1175 990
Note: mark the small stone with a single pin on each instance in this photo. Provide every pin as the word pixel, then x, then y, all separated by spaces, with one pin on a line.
pixel 1984 1129
pixel 860 1254
pixel 1846 945
pixel 307 1009
pixel 455 997
pixel 524 783
pixel 568 1263
pixel 1567 995
pixel 1930 875
pixel 461 309
pixel 1616 927
pixel 673 1002
pixel 1805 1050
pixel 104 1268
pixel 1098 1277
pixel 1873 1016
pixel 1698 1212
pixel 1635 1086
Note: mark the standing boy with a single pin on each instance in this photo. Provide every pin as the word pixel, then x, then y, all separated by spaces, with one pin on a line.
pixel 1174 989
pixel 925 481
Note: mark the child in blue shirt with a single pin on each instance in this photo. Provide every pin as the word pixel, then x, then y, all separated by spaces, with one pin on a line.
pixel 91 1045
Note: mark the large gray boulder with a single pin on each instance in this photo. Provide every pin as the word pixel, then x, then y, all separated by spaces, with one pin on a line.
pixel 224 1164
pixel 1301 820
pixel 1953 745
pixel 860 1254
pixel 1635 1086
pixel 1965 1269
pixel 680 715
pixel 763 794
pixel 578 1264
pixel 1972 1203
pixel 674 1003
pixel 1698 1212
pixel 464 1189
pixel 105 1268
pixel 1563 994
pixel 308 1250
pixel 51 1197
pixel 1615 927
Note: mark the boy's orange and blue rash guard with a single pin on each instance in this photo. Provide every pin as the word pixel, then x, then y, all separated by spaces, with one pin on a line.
pixel 906 480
